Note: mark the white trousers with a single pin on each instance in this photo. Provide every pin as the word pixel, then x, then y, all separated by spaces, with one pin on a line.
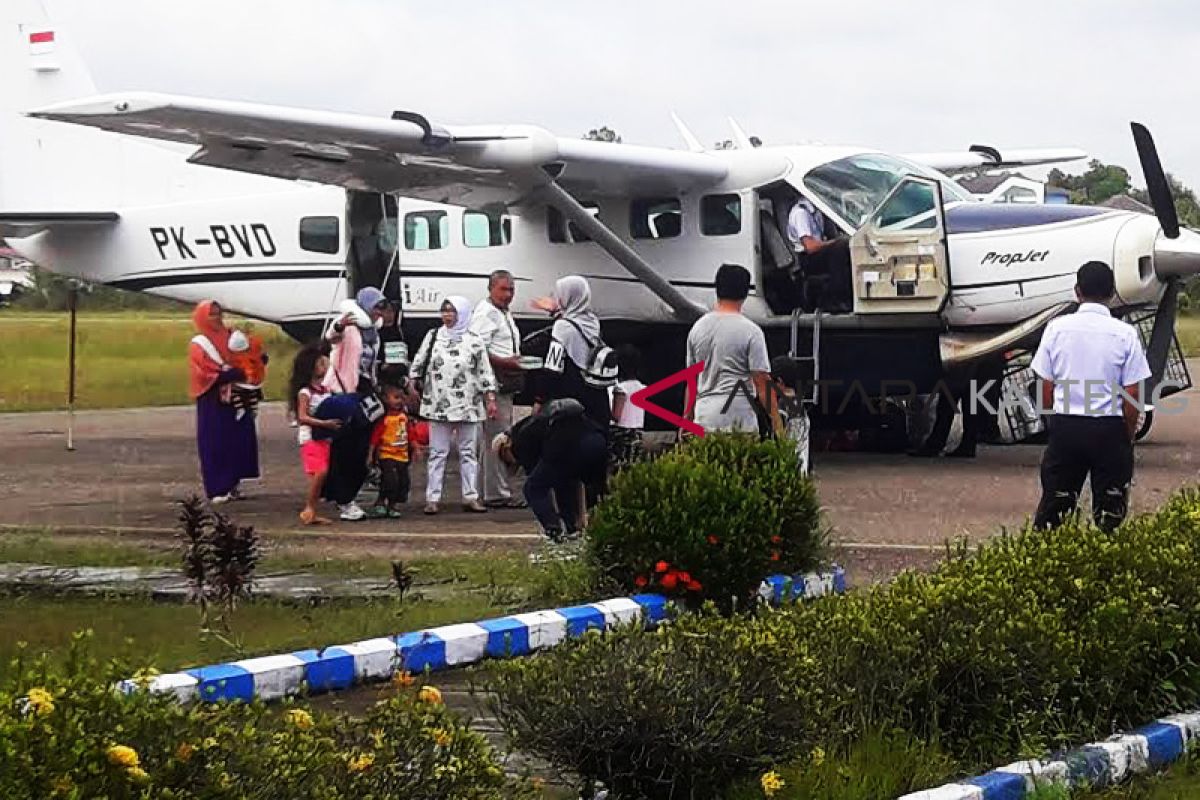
pixel 495 471
pixel 465 437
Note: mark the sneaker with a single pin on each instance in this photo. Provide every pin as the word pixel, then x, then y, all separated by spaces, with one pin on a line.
pixel 431 508
pixel 220 499
pixel 394 513
pixel 377 512
pixel 475 507
pixel 351 512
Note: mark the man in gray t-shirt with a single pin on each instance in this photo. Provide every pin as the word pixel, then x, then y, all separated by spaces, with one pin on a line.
pixel 734 351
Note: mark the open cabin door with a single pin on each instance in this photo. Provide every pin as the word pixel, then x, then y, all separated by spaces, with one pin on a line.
pixel 899 255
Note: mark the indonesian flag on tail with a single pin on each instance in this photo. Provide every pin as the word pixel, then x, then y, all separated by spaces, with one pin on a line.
pixel 41 50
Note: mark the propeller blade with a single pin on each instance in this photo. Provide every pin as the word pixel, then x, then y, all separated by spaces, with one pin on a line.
pixel 1161 336
pixel 1156 181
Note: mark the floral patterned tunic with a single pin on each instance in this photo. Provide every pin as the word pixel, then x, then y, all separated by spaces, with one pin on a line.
pixel 457 378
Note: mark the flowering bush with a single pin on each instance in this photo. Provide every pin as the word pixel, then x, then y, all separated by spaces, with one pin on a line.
pixel 709 521
pixel 1034 642
pixel 64 733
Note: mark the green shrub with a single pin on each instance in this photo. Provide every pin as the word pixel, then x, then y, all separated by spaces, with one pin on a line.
pixel 64 733
pixel 880 766
pixel 709 521
pixel 1037 641
pixel 679 712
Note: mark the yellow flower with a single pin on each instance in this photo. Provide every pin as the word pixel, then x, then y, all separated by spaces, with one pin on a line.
pixel 123 756
pixel 771 783
pixel 184 751
pixel 403 679
pixel 440 737
pixel 360 763
pixel 300 719
pixel 431 695
pixel 39 701
pixel 209 743
pixel 818 756
pixel 138 774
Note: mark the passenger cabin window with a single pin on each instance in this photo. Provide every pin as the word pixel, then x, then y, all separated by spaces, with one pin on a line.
pixel 320 234
pixel 655 218
pixel 426 230
pixel 482 229
pixel 720 214
pixel 562 231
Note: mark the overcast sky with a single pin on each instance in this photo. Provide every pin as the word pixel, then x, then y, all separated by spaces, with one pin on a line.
pixel 899 76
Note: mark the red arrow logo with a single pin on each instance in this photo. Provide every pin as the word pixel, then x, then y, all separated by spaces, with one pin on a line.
pixel 640 399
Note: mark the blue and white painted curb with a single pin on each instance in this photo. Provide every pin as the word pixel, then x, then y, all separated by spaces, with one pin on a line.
pixel 342 666
pixel 1092 766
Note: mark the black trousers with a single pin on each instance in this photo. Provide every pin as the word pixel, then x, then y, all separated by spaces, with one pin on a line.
pixel 393 481
pixel 558 479
pixel 1079 446
pixel 347 465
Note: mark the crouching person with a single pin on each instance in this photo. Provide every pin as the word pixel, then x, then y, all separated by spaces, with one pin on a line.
pixel 560 448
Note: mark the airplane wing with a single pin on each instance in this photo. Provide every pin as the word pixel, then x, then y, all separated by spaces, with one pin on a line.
pixel 19 224
pixel 980 155
pixel 407 154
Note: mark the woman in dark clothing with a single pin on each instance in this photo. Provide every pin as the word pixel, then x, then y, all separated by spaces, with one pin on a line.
pixel 575 334
pixel 228 446
pixel 352 373
pixel 559 448
pixel 393 349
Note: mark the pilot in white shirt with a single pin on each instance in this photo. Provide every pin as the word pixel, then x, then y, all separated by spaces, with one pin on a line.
pixel 806 227
pixel 1086 360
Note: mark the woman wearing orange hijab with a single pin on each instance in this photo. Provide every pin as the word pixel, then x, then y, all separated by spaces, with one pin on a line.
pixel 228 446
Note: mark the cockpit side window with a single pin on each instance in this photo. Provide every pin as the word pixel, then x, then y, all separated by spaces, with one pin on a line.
pixel 854 187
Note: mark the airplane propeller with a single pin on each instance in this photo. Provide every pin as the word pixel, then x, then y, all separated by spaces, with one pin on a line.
pixel 1159 189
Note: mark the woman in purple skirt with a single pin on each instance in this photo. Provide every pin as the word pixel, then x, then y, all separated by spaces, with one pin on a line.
pixel 228 446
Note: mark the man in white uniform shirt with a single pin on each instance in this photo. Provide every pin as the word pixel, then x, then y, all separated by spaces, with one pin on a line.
pixel 493 322
pixel 1086 360
pixel 826 260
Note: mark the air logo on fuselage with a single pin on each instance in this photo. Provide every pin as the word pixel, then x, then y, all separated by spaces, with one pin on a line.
pixel 1006 259
pixel 229 241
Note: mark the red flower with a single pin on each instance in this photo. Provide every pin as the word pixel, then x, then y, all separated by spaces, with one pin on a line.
pixel 684 577
pixel 713 540
pixel 694 586
pixel 662 566
pixel 776 539
pixel 640 581
pixel 775 556
pixel 669 580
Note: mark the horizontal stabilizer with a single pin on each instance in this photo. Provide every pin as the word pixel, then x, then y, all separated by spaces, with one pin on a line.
pixel 27 223
pixel 986 156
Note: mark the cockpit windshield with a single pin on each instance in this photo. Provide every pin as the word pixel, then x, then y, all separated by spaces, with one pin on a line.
pixel 854 187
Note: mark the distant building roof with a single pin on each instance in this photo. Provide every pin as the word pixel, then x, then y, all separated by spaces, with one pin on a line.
pixel 982 184
pixel 1123 202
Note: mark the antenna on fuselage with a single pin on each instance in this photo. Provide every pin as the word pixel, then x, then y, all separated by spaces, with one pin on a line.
pixel 740 139
pixel 689 138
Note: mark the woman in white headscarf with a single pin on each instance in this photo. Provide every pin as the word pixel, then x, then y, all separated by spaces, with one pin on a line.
pixel 458 391
pixel 575 333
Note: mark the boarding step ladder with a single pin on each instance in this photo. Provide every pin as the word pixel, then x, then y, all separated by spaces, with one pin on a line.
pixel 814 357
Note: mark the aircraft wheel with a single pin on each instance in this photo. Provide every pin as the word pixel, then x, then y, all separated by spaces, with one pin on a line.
pixel 1145 422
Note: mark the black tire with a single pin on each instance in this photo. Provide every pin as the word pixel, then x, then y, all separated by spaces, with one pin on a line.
pixel 1144 425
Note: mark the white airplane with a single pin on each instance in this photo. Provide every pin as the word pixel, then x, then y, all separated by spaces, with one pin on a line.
pixel 939 284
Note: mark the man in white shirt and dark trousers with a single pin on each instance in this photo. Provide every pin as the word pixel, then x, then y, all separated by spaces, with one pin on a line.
pixel 1085 361
pixel 823 263
pixel 493 322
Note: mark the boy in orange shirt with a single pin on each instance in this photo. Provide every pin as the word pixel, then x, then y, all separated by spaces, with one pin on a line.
pixel 389 450
pixel 246 353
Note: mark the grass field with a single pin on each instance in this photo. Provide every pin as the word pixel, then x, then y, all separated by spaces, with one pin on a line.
pixel 129 359
pixel 124 359
pixel 447 590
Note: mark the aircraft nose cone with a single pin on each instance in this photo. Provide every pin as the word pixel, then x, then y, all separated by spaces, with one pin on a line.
pixel 1177 258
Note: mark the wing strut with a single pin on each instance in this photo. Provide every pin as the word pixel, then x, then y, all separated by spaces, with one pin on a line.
pixel 624 255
